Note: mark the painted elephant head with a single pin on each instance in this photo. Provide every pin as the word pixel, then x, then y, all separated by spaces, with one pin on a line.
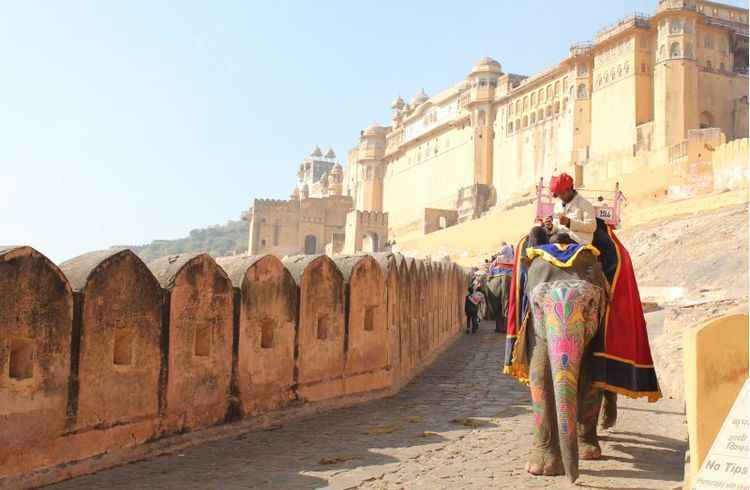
pixel 567 304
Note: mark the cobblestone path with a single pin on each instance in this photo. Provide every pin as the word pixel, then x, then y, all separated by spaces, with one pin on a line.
pixel 460 424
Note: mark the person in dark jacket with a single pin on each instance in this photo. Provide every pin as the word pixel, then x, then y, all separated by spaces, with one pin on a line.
pixel 471 308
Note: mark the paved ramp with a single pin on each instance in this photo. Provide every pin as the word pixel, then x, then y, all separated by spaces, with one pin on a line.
pixel 459 425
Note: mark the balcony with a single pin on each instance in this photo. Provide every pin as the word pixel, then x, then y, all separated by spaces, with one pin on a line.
pixel 581 49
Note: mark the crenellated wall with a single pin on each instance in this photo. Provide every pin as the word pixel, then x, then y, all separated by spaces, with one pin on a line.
pixel 105 359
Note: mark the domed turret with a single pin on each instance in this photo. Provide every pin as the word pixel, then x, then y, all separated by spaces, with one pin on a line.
pixel 374 129
pixel 316 152
pixel 398 103
pixel 330 154
pixel 419 98
pixel 487 65
pixel 337 170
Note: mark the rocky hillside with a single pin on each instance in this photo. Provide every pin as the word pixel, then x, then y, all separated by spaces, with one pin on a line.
pixel 218 240
pixel 692 267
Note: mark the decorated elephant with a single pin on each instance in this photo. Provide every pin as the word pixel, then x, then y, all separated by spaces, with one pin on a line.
pixel 575 334
pixel 568 305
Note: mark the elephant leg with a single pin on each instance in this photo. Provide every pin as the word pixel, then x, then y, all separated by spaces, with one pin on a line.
pixel 589 404
pixel 545 456
pixel 609 410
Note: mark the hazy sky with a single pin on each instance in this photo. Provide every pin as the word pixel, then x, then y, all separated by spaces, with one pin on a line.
pixel 124 122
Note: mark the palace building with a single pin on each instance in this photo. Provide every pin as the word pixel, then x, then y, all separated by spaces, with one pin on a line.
pixel 634 98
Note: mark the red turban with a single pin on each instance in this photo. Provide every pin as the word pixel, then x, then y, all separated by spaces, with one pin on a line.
pixel 560 184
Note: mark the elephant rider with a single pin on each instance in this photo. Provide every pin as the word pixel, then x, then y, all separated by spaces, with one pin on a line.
pixel 573 215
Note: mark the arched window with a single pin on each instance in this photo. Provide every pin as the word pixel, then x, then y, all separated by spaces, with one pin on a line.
pixel 481 120
pixel 688 50
pixel 482 82
pixel 708 42
pixel 518 106
pixel 518 124
pixel 557 107
pixel 557 88
pixel 510 109
pixel 533 117
pixel 674 50
pixel 619 70
pixel 525 121
pixel 582 91
pixel 582 70
pixel 533 99
pixel 540 114
pixel 662 52
pixel 675 26
pixel 565 103
pixel 548 111
pixel 311 244
pixel 510 127
pixel 525 103
pixel 549 92
pixel 540 95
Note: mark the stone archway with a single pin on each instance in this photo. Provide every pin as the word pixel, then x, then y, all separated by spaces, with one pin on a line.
pixel 371 243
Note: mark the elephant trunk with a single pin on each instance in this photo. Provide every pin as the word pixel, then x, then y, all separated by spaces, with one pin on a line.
pixel 565 356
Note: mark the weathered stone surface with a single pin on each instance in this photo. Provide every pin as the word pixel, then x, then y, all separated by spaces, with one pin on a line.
pixel 267 332
pixel 36 318
pixel 367 344
pixel 200 339
pixel 120 343
pixel 321 326
pixel 389 264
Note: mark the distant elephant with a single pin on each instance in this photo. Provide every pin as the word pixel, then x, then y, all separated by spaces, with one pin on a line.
pixel 567 306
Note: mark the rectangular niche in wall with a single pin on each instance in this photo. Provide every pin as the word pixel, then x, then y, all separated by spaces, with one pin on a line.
pixel 322 327
pixel 203 341
pixel 123 352
pixel 266 333
pixel 370 318
pixel 21 359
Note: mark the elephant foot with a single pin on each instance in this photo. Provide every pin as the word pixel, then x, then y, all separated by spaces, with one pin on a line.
pixel 589 451
pixel 609 411
pixel 545 463
pixel 608 420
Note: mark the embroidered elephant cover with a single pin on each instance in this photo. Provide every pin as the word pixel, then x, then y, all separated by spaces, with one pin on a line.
pixel 622 355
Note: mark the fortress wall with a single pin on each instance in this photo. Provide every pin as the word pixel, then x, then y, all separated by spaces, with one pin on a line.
pixel 200 340
pixel 730 165
pixel 36 320
pixel 410 184
pixel 106 361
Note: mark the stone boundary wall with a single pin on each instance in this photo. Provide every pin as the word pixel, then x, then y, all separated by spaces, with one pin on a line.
pixel 730 165
pixel 106 360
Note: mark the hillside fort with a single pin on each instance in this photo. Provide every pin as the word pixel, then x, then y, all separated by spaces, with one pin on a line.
pixel 648 91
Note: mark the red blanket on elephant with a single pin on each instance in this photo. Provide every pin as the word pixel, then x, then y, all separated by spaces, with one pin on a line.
pixel 622 356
